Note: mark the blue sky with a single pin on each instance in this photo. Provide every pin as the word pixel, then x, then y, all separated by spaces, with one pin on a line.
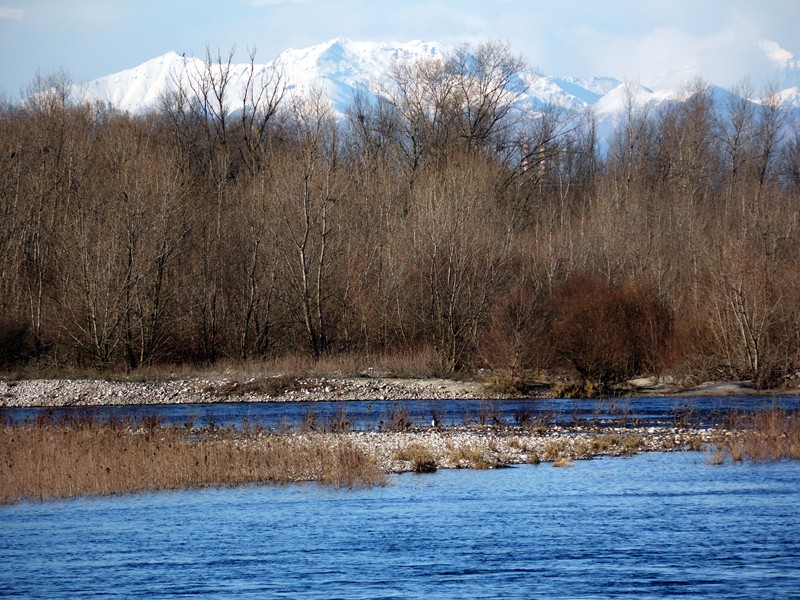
pixel 657 42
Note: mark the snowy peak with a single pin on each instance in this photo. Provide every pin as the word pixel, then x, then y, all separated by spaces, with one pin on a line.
pixel 625 95
pixel 788 98
pixel 141 88
pixel 571 92
pixel 341 57
pixel 341 68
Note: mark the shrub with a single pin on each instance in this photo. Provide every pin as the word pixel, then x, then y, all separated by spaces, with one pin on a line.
pixel 422 460
pixel 771 434
pixel 398 419
pixel 609 333
pixel 473 458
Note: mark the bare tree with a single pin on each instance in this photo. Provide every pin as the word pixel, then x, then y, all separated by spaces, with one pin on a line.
pixel 307 189
pixel 489 85
pixel 262 95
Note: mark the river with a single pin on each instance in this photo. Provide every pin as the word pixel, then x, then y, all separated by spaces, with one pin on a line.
pixel 701 411
pixel 649 526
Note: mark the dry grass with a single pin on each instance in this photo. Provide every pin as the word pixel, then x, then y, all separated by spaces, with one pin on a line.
pixel 607 444
pixel 627 444
pixel 41 462
pixel 554 450
pixel 767 435
pixel 474 458
pixel 421 458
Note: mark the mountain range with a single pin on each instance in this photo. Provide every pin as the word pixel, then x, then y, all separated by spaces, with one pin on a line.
pixel 341 68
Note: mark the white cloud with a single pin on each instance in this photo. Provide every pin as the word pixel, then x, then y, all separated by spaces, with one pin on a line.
pixel 11 13
pixel 776 53
pixel 664 57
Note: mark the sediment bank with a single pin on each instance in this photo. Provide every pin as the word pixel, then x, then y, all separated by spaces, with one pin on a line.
pixel 87 392
pixel 44 460
pixel 460 447
pixel 284 388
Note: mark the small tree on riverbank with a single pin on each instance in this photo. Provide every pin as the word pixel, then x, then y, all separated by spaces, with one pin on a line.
pixel 608 333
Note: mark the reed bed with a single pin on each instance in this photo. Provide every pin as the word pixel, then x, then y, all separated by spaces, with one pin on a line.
pixel 39 462
pixel 767 435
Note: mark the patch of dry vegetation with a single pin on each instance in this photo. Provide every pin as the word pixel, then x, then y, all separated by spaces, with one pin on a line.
pixel 628 444
pixel 84 459
pixel 473 457
pixel 767 435
pixel 421 458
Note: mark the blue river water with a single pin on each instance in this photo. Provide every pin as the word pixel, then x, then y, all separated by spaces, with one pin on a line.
pixel 700 411
pixel 650 526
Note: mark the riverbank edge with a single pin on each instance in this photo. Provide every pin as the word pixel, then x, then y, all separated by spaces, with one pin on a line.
pixel 430 449
pixel 31 393
pixel 83 459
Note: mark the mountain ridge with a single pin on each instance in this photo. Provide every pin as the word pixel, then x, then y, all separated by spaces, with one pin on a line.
pixel 342 68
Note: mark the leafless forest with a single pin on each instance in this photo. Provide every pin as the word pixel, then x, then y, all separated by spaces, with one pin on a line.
pixel 443 223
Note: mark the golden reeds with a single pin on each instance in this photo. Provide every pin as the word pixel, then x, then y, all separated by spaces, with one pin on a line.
pixel 85 459
pixel 771 434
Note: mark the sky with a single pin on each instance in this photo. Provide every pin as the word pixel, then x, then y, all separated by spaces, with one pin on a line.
pixel 659 43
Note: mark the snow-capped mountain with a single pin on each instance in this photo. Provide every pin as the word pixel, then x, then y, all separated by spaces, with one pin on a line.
pixel 338 68
pixel 341 68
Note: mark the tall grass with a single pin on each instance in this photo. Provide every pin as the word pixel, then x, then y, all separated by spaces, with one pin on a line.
pixel 771 434
pixel 85 459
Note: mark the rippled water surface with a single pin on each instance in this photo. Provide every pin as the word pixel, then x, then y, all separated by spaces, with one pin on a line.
pixel 376 414
pixel 650 526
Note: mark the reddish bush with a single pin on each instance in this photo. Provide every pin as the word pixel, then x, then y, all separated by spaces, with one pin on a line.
pixel 608 333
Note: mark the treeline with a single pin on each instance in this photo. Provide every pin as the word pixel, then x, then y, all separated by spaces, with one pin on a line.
pixel 445 221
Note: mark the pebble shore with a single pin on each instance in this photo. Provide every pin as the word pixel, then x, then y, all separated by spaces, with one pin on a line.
pixel 455 448
pixel 87 392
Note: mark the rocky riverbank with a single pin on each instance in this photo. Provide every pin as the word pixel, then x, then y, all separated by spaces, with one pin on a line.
pixel 86 392
pixel 452 448
pixel 283 388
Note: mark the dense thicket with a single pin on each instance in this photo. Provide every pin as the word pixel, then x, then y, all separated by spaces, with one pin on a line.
pixel 444 220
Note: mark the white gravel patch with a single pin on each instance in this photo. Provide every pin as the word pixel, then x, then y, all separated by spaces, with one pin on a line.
pixel 87 392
